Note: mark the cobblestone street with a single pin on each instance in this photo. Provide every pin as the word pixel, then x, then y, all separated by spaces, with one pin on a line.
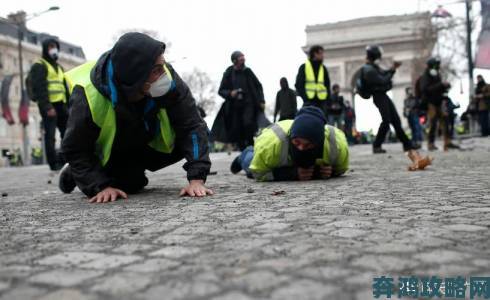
pixel 314 240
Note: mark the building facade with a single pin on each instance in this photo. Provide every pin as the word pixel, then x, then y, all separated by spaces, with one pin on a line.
pixel 12 136
pixel 406 38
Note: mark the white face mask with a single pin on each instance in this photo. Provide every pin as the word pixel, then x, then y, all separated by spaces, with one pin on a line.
pixel 433 72
pixel 377 61
pixel 161 86
pixel 53 52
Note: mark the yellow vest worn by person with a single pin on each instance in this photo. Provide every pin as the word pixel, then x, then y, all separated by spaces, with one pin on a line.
pixel 315 86
pixel 271 150
pixel 56 82
pixel 104 116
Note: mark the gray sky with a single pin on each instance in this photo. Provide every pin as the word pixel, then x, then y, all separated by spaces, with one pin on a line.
pixel 269 32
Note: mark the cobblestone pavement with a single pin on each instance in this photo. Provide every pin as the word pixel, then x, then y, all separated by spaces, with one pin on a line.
pixel 317 240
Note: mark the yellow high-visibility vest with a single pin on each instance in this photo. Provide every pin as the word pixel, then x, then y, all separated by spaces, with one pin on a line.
pixel 315 86
pixel 104 115
pixel 56 82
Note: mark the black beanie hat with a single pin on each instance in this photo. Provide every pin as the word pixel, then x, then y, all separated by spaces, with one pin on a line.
pixel 235 55
pixel 133 57
pixel 310 124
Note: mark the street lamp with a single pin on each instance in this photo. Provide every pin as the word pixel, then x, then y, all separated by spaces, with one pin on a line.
pixel 20 18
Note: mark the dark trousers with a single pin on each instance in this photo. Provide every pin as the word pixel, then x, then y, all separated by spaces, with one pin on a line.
pixel 483 118
pixel 321 104
pixel 50 124
pixel 437 117
pixel 414 123
pixel 389 115
pixel 129 174
pixel 244 124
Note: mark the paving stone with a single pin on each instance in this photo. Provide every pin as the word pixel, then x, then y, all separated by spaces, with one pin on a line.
pixel 23 293
pixel 70 294
pixel 175 252
pixel 153 265
pixel 466 227
pixel 304 289
pixel 64 278
pixel 110 261
pixel 181 290
pixel 70 258
pixel 122 283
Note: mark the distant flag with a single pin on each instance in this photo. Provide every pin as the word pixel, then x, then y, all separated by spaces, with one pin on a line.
pixel 482 59
pixel 4 99
pixel 441 12
pixel 24 109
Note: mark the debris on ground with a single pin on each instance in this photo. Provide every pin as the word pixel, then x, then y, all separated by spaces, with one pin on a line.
pixel 4 194
pixel 250 190
pixel 278 193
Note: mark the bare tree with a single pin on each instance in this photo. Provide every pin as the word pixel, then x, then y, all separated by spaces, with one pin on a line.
pixel 202 87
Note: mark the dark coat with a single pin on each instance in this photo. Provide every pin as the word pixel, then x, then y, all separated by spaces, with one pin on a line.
pixel 286 104
pixel 132 133
pixel 254 96
pixel 432 88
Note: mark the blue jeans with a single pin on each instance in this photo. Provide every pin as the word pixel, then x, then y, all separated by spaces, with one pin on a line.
pixel 246 159
pixel 414 123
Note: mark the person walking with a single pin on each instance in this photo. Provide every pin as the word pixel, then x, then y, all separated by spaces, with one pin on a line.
pixel 286 104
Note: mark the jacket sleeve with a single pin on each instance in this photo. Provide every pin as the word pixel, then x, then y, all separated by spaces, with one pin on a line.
pixel 225 86
pixel 300 83
pixel 258 87
pixel 326 81
pixel 278 106
pixel 190 129
pixel 430 90
pixel 40 86
pixel 78 147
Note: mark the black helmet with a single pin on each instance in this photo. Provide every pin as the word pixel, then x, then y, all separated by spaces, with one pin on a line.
pixel 433 62
pixel 374 52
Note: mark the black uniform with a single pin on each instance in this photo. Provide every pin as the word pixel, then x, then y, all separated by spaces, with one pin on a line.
pixel 378 82
pixel 131 155
pixel 39 83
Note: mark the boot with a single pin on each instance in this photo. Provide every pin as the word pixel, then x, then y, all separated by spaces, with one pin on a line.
pixel 67 183
pixel 378 150
pixel 432 147
pixel 236 165
pixel 418 162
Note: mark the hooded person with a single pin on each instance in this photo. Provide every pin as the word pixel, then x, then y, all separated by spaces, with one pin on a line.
pixel 237 120
pixel 286 104
pixel 131 112
pixel 305 148
pixel 48 89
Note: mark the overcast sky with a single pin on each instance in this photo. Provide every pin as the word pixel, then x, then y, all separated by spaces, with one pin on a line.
pixel 203 33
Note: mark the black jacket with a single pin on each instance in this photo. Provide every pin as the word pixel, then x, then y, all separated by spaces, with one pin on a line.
pixel 252 85
pixel 286 104
pixel 432 89
pixel 301 79
pixel 38 75
pixel 376 79
pixel 131 134
pixel 335 105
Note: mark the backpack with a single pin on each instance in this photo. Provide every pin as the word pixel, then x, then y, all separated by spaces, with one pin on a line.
pixel 361 88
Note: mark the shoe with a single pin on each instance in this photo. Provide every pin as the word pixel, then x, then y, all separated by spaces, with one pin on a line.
pixel 236 165
pixel 452 146
pixel 67 183
pixel 417 146
pixel 432 147
pixel 379 150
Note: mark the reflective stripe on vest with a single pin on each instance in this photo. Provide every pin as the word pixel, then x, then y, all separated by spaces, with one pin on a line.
pixel 56 82
pixel 315 87
pixel 104 116
pixel 284 155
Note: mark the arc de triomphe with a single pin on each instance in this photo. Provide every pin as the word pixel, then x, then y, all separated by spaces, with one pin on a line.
pixel 406 38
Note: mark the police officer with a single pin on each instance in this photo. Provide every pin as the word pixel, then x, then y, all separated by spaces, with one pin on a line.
pixel 313 81
pixel 301 149
pixel 48 88
pixel 131 112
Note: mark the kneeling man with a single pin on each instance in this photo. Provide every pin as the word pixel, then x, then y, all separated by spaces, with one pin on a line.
pixel 131 112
